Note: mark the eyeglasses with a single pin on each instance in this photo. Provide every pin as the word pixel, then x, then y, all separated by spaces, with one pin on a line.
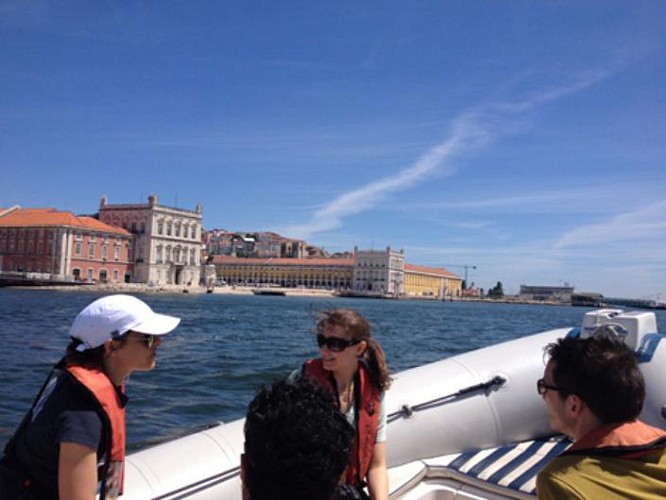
pixel 335 344
pixel 542 387
pixel 149 340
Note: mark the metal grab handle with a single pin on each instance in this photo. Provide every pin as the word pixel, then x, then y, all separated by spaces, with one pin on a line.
pixel 407 411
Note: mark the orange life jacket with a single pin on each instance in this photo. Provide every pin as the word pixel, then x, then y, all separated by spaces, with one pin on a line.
pixel 625 439
pixel 367 416
pixel 106 394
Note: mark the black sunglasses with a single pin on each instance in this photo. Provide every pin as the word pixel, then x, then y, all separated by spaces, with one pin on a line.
pixel 334 344
pixel 542 387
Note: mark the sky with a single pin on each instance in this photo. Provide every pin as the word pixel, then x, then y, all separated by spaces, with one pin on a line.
pixel 525 140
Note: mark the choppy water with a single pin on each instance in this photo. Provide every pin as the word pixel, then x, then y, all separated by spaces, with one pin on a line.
pixel 226 346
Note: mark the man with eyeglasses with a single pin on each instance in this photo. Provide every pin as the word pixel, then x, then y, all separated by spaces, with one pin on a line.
pixel 71 443
pixel 594 392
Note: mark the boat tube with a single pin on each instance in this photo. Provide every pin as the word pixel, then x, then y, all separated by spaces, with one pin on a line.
pixel 469 426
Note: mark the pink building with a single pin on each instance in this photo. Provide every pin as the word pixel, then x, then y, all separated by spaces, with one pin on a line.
pixel 47 244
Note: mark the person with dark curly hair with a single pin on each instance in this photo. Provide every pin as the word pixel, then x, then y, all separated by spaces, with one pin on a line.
pixel 297 444
pixel 71 443
pixel 594 393
pixel 352 368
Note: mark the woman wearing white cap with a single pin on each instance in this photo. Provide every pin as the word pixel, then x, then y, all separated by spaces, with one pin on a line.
pixel 71 444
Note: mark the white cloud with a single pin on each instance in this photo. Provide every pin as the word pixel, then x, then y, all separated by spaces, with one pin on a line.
pixel 473 129
pixel 647 223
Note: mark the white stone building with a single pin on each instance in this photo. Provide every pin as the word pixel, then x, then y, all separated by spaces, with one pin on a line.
pixel 379 271
pixel 167 241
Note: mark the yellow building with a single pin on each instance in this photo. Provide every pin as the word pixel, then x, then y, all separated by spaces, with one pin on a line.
pixel 333 274
pixel 438 283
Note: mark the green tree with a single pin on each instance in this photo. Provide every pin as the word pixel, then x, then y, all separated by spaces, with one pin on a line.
pixel 497 292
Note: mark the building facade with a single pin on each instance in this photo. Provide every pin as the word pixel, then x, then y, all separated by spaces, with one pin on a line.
pixel 434 282
pixel 45 244
pixel 379 271
pixel 332 274
pixel 167 241
pixel 546 293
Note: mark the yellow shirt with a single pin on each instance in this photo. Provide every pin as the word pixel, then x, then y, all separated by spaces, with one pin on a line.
pixel 604 477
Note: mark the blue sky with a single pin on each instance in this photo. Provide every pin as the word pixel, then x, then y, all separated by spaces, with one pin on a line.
pixel 525 138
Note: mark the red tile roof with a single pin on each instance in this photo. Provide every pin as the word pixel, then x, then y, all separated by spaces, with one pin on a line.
pixel 50 217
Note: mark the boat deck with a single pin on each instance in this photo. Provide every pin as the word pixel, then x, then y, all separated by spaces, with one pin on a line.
pixel 503 472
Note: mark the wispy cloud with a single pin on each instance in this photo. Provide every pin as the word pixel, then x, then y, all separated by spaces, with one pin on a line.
pixel 471 130
pixel 647 223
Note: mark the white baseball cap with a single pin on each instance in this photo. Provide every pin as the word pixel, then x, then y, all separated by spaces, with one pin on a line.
pixel 114 315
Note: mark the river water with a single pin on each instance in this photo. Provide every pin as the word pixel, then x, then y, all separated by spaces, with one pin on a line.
pixel 228 345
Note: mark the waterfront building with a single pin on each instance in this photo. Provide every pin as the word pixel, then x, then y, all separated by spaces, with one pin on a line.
pixel 438 283
pixel 379 271
pixel 545 293
pixel 48 245
pixel 167 240
pixel 332 274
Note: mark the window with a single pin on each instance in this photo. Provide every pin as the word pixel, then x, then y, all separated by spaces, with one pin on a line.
pixel 91 275
pixel 91 251
pixel 116 253
pixel 115 275
pixel 177 231
pixel 77 248
pixel 169 224
pixel 160 227
pixel 77 236
pixel 105 252
pixel 91 237
pixel 159 252
pixel 194 231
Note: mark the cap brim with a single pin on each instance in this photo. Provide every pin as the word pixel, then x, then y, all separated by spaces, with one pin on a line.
pixel 157 324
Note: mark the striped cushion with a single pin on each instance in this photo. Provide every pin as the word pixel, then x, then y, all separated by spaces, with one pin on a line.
pixel 514 466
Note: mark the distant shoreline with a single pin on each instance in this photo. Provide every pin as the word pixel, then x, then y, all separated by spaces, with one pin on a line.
pixel 248 290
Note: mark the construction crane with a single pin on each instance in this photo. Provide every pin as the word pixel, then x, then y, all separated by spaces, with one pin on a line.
pixel 466 267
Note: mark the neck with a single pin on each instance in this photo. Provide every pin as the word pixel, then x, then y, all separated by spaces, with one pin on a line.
pixel 585 424
pixel 116 374
pixel 344 379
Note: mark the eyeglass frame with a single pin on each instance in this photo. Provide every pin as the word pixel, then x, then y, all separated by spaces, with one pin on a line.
pixel 334 344
pixel 146 338
pixel 543 387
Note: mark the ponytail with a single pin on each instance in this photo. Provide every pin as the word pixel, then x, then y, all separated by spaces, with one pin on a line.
pixel 375 361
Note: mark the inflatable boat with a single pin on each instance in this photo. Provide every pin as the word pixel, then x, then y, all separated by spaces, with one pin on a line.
pixel 469 426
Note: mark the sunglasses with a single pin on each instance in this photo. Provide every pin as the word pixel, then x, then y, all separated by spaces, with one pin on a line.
pixel 334 344
pixel 149 340
pixel 542 387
